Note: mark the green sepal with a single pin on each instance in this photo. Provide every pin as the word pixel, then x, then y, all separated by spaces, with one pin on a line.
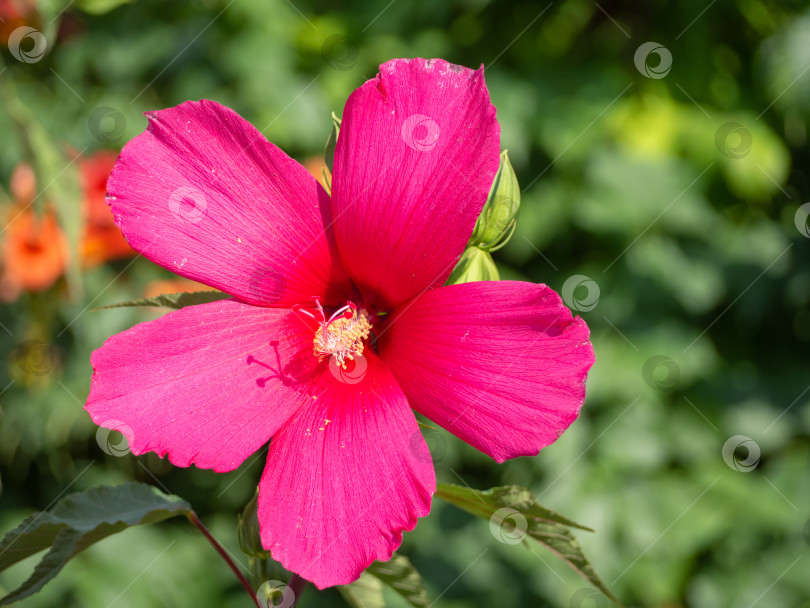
pixel 331 143
pixel 475 265
pixel 247 531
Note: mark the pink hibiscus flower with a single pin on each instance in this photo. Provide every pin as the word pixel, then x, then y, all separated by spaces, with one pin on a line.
pixel 338 323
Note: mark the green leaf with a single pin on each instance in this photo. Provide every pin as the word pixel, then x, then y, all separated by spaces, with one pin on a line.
pixel 513 514
pixel 78 521
pixel 173 300
pixel 329 152
pixel 365 592
pixel 397 573
pixel 496 223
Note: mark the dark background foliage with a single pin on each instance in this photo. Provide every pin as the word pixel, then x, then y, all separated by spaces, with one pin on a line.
pixel 689 236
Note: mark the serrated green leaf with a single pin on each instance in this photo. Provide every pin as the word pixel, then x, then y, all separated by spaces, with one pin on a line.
pixel 329 152
pixel 173 300
pixel 78 521
pixel 397 573
pixel 365 592
pixel 500 505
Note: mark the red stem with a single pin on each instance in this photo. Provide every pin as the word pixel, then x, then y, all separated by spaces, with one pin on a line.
pixel 192 517
pixel 297 586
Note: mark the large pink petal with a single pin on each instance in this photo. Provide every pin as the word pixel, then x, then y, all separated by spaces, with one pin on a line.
pixel 500 364
pixel 344 478
pixel 203 193
pixel 207 385
pixel 417 153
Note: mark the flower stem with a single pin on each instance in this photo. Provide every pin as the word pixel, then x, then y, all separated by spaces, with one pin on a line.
pixel 297 586
pixel 192 517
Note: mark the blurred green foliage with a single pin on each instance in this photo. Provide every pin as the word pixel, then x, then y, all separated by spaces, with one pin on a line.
pixel 677 199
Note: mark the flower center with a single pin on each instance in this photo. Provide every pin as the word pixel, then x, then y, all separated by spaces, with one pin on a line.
pixel 342 335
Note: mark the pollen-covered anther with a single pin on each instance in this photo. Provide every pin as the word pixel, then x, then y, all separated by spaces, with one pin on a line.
pixel 342 335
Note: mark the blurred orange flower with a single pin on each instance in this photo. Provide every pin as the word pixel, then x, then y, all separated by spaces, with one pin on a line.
pixel 14 14
pixel 34 252
pixel 95 171
pixel 103 240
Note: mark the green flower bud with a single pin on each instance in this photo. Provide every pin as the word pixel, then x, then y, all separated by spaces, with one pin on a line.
pixel 497 221
pixel 247 531
pixel 475 265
